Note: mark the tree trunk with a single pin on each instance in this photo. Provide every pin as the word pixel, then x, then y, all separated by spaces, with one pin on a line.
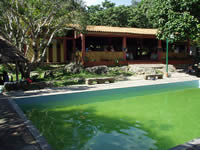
pixel 25 70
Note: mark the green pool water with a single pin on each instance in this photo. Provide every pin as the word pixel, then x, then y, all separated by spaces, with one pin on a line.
pixel 156 117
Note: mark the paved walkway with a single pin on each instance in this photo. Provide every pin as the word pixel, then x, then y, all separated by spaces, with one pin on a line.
pixel 131 82
pixel 15 136
pixel 13 133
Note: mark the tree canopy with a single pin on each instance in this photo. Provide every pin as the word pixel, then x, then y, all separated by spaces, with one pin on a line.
pixel 34 23
pixel 109 14
pixel 179 19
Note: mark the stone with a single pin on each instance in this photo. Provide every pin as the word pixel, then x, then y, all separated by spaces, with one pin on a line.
pixel 142 69
pixel 73 68
pixel 98 69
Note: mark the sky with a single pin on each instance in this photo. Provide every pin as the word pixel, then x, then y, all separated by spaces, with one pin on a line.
pixel 117 2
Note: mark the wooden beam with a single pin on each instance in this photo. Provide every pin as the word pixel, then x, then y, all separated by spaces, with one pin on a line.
pixel 83 47
pixel 159 44
pixel 65 49
pixel 54 51
pixel 124 46
pixel 140 36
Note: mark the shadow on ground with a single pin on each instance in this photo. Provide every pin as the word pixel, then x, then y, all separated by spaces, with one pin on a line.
pixel 13 133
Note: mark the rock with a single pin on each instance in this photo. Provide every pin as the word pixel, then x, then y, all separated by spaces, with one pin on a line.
pixel 73 68
pixel 98 69
pixel 124 69
pixel 150 69
pixel 121 78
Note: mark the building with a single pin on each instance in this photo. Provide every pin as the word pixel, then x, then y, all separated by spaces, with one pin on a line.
pixel 103 45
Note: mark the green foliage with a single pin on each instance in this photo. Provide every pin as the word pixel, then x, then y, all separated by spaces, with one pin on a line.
pixel 179 18
pixel 27 22
pixel 121 16
pixel 139 16
pixel 108 14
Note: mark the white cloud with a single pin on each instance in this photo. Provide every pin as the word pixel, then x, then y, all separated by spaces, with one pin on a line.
pixel 93 2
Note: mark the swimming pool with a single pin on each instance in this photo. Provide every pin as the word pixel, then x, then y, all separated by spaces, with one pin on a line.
pixel 155 117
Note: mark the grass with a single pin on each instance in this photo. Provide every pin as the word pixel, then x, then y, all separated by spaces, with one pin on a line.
pixel 60 78
pixel 129 118
pixel 64 79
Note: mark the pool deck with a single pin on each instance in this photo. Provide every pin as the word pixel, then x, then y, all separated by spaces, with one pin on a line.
pixel 130 82
pixel 14 135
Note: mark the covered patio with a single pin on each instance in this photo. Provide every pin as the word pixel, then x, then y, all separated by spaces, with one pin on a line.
pixel 102 45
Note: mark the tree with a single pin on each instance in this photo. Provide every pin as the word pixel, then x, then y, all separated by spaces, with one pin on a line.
pixel 109 15
pixel 34 23
pixel 179 18
pixel 139 15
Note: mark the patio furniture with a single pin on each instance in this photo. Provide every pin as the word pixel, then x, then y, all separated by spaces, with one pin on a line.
pixel 153 76
pixel 90 81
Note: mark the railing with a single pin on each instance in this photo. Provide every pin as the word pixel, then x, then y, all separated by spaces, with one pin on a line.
pixel 93 56
pixel 174 55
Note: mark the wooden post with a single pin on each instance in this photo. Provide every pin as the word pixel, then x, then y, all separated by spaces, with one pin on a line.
pixel 54 51
pixel 83 47
pixel 17 71
pixel 159 44
pixel 65 49
pixel 124 46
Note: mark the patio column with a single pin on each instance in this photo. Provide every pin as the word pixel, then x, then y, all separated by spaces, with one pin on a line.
pixel 65 49
pixel 54 51
pixel 159 44
pixel 83 46
pixel 124 46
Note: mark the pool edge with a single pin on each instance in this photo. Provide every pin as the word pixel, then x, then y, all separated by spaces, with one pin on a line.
pixel 42 142
pixel 69 90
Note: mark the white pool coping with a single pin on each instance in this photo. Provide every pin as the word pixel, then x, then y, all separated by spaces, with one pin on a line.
pixel 133 82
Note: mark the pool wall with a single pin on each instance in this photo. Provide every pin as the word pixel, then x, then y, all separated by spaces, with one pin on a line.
pixel 33 130
pixel 45 146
